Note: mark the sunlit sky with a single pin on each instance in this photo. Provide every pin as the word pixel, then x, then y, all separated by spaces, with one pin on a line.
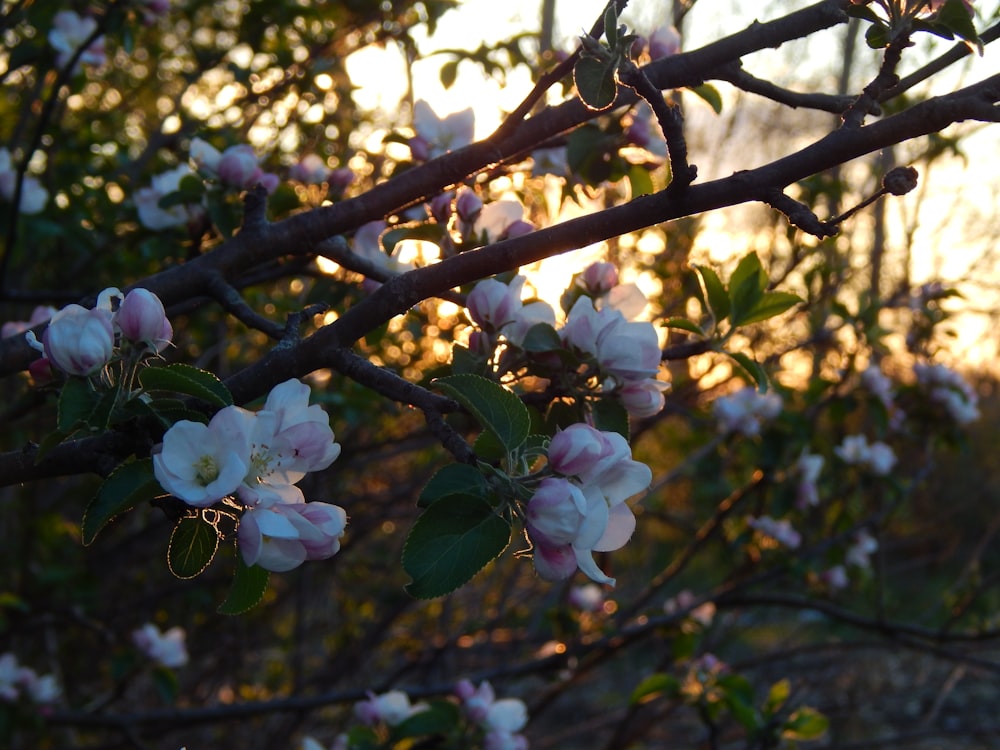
pixel 942 245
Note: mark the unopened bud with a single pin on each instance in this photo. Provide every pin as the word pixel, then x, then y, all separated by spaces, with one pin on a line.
pixel 900 180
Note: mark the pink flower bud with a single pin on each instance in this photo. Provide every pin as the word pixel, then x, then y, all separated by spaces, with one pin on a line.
pixel 269 181
pixel 518 228
pixel 79 341
pixel 643 398
pixel 311 169
pixel 142 320
pixel 599 278
pixel 468 205
pixel 492 304
pixel 420 149
pixel 664 42
pixel 441 207
pixel 238 167
pixel 340 178
pixel 574 450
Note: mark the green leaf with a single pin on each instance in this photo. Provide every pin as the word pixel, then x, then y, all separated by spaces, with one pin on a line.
pixel 193 545
pixel 863 12
pixel 877 35
pixel 710 94
pixel 127 486
pixel 463 361
pixel 611 416
pixel 77 402
pixel 452 541
pixel 453 479
pixel 749 267
pixel 805 724
pixel 440 717
pixel 414 231
pixel 752 368
pixel 541 337
pixel 715 293
pixel 769 305
pixel 449 72
pixel 653 686
pixel 595 82
pixel 188 380
pixel 495 408
pixel 685 325
pixel 249 585
pixel 955 17
pixel 777 696
pixel 746 288
pixel 640 183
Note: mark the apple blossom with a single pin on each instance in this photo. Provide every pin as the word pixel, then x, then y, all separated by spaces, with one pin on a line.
pixel 598 278
pixel 643 398
pixel 201 464
pixel 860 552
pixel 500 220
pixel 69 32
pixel 311 169
pixel 436 135
pixel 746 411
pixel 878 384
pixel 628 350
pixel 835 577
pixel 586 598
pixel 367 243
pixel 685 601
pixel 40 314
pixel 575 449
pixel 501 720
pixel 142 320
pixel 147 201
pixel 392 708
pixel 9 675
pixel 664 42
pixel 205 156
pixel 492 303
pixel 948 388
pixel 808 467
pixel 167 648
pixel 281 536
pixel 779 530
pixel 468 205
pixel 877 456
pixel 79 341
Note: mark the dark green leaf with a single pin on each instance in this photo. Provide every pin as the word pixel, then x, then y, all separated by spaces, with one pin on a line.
pixel 710 94
pixel 495 408
pixel 249 585
pixel 452 541
pixel 449 72
pixel 640 183
pixel 440 717
pixel 541 337
pixel 77 402
pixel 415 231
pixel 126 487
pixel 188 380
pixel 863 12
pixel 453 479
pixel 877 36
pixel 955 17
pixel 193 545
pixel 777 696
pixel 611 416
pixel 749 267
pixel 595 82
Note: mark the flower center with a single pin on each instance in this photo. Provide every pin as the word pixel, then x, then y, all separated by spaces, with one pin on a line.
pixel 206 469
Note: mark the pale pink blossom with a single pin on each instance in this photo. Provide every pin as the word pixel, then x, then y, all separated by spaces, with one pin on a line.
pixel 575 449
pixel 950 390
pixel 856 450
pixel 643 398
pixel 147 201
pixel 586 598
pixel 703 614
pixel 664 42
pixel 860 552
pixel 492 303
pixel 168 649
pixel 808 466
pixel 79 341
pixel 40 314
pixel 10 674
pixel 201 464
pixel 878 384
pixel 599 278
pixel 367 243
pixel 391 708
pixel 746 411
pixel 435 135
pixel 835 577
pixel 779 530
pixel 281 536
pixel 311 169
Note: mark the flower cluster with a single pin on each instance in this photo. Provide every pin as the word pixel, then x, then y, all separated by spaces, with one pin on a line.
pixel 17 681
pixel 878 457
pixel 947 388
pixel 147 201
pixel 501 720
pixel 33 195
pixel 618 353
pixel 780 531
pixel 390 708
pixel 746 411
pixel 166 649
pixel 582 510
pixel 81 341
pixel 807 467
pixel 235 167
pixel 255 459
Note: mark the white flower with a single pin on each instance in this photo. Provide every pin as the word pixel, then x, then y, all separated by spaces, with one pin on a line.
pixel 877 456
pixel 392 708
pixel 860 552
pixel 949 389
pixel 781 531
pixel 147 201
pixel 438 135
pixel 33 195
pixel 79 341
pixel 808 467
pixel 880 386
pixel 746 411
pixel 167 649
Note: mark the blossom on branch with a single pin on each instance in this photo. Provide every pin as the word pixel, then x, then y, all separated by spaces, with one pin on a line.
pixel 33 195
pixel 69 32
pixel 78 341
pixel 167 648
